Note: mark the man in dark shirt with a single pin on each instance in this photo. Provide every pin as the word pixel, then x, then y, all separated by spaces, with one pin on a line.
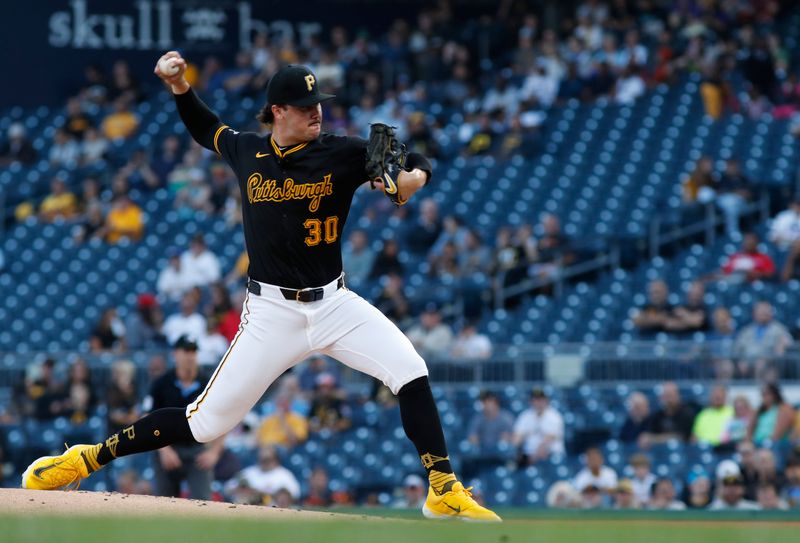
pixel 638 414
pixel 656 314
pixel 674 420
pixel 691 316
pixel 191 462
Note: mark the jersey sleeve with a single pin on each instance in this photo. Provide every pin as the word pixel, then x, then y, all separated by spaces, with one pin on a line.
pixel 206 128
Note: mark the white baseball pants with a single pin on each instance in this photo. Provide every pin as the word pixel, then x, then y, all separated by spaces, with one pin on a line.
pixel 276 333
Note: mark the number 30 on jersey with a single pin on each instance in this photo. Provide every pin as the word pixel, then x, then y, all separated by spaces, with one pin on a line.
pixel 318 230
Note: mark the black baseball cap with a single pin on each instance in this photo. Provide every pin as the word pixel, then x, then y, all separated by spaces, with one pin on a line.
pixel 538 393
pixel 185 343
pixel 295 85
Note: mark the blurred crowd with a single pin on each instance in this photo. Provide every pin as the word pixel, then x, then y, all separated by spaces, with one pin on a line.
pixel 755 440
pixel 454 87
pixel 761 472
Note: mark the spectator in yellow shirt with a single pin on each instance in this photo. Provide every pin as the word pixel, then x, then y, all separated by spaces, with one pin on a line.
pixel 120 124
pixel 59 203
pixel 124 220
pixel 283 428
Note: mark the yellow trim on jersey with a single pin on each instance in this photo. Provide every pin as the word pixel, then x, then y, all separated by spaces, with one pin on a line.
pixel 282 154
pixel 200 399
pixel 216 136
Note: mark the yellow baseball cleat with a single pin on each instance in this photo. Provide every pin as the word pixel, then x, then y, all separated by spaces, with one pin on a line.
pixel 62 472
pixel 457 503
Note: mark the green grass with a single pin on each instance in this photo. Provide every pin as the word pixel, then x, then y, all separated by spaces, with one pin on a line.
pixel 572 527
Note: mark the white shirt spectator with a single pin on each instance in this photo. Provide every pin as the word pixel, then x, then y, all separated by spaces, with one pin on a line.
pixel 785 228
pixel 642 487
pixel 590 33
pixel 269 481
pixel 533 427
pixel 606 479
pixel 193 326
pixel 542 87
pixel 471 345
pixel 204 266
pixel 65 153
pixel 628 89
pixel 173 282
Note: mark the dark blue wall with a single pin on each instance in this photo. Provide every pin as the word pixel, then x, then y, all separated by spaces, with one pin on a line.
pixel 50 42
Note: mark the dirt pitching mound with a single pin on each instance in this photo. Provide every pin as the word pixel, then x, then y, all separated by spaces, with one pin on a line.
pixel 19 502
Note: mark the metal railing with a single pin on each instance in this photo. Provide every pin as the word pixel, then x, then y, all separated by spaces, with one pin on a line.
pixel 559 365
pixel 655 242
pixel 707 227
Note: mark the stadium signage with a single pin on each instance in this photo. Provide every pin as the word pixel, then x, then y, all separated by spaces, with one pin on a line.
pixel 165 24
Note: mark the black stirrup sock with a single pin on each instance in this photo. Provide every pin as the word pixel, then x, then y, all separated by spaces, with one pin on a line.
pixel 158 429
pixel 422 426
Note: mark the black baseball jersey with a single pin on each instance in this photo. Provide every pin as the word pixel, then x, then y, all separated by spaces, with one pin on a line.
pixel 295 201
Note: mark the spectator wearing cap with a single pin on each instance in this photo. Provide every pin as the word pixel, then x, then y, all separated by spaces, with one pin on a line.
pixel 712 421
pixel 638 407
pixel 431 336
pixel 643 478
pixel 200 263
pixel 469 344
pixel 492 426
pixel 414 492
pixel 596 473
pixel 17 148
pixel 673 421
pixel 539 430
pixel 192 463
pixel 592 497
pixel 284 427
pixel 698 490
pixel 664 496
pixel 143 326
pixel 730 490
pixel 174 280
pixel 624 497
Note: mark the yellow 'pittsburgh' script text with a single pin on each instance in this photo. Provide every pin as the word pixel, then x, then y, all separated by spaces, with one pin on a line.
pixel 267 190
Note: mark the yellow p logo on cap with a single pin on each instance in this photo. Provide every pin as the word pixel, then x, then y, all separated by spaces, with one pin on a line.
pixel 310 82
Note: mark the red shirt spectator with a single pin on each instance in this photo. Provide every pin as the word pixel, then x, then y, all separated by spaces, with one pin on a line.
pixel 749 263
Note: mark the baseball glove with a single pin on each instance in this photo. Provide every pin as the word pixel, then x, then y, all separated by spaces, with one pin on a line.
pixel 386 157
